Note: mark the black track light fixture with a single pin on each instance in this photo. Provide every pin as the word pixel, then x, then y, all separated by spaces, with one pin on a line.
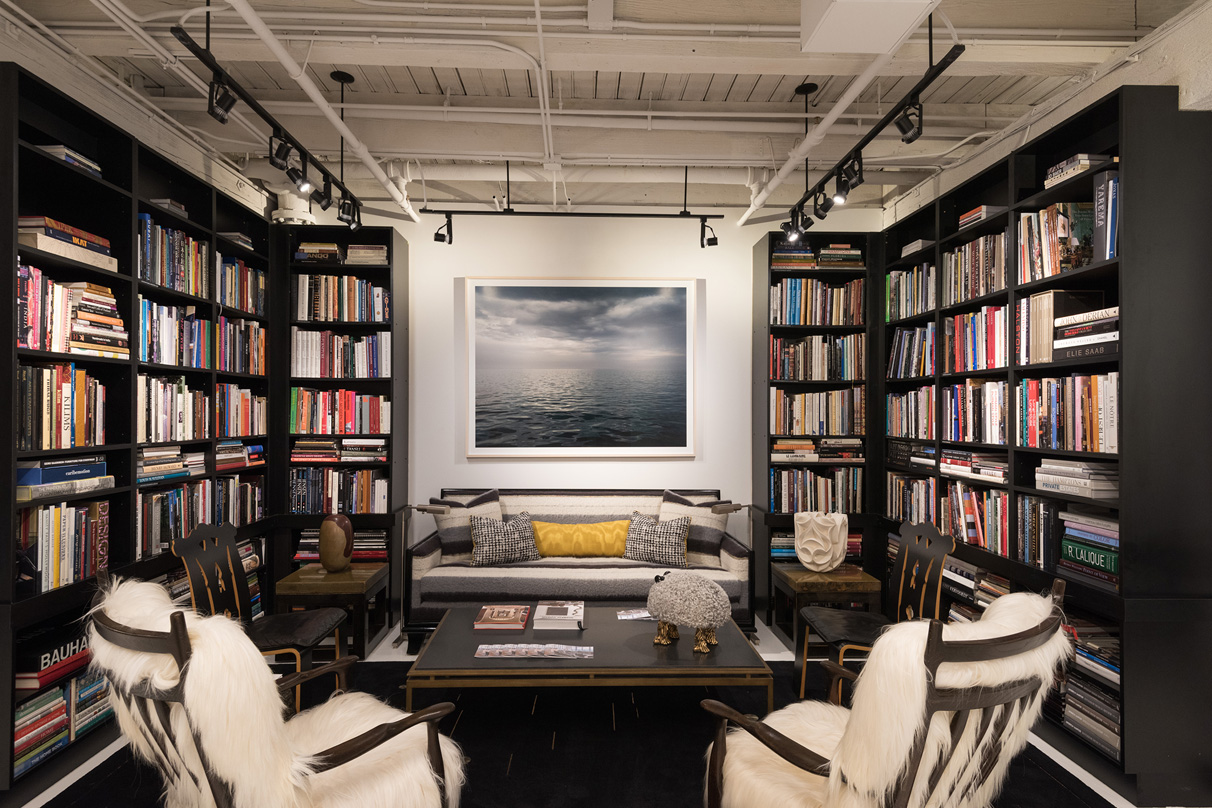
pixel 821 204
pixel 909 122
pixel 220 100
pixel 448 236
pixel 357 217
pixel 279 153
pixel 299 178
pixel 791 233
pixel 704 239
pixel 802 220
pixel 345 210
pixel 852 170
pixel 323 196
pixel 841 191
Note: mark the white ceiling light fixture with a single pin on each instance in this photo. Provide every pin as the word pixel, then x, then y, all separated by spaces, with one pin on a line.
pixel 859 26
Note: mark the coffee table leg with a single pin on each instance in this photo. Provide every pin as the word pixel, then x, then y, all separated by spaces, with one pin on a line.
pixel 769 696
pixel 408 698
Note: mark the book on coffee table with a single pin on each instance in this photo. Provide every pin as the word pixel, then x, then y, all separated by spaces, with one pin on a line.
pixel 502 617
pixel 556 614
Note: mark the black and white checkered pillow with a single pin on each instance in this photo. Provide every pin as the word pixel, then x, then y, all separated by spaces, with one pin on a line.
pixel 661 543
pixel 496 542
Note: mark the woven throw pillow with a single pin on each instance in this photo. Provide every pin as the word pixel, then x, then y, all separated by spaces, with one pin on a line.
pixel 706 528
pixel 498 542
pixel 454 528
pixel 584 540
pixel 661 543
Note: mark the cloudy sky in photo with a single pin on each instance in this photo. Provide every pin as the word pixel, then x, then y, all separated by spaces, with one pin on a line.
pixel 579 327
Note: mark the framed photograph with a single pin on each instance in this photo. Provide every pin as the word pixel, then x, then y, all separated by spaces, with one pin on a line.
pixel 580 368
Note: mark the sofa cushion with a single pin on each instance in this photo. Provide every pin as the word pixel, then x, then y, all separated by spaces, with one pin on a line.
pixel 454 528
pixel 499 542
pixel 657 542
pixel 582 540
pixel 706 528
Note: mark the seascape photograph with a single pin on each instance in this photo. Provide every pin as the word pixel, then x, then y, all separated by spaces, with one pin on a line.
pixel 580 368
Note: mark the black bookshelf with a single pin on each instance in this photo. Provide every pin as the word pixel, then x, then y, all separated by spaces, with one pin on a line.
pixel 1159 281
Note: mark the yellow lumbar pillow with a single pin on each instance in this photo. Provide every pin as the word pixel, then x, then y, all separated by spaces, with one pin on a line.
pixel 591 540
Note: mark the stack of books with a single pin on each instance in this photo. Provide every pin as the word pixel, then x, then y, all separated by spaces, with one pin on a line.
pixel 61 477
pixel 499 617
pixel 73 157
pixel 366 254
pixel 980 466
pixel 349 450
pixel 236 237
pixel 979 214
pixel 88 702
pixel 176 581
pixel 925 456
pixel 234 454
pixel 167 463
pixel 1038 317
pixel 168 409
pixel 1072 167
pixel 171 204
pixel 840 256
pixel 559 614
pixel 1090 548
pixel 1083 478
pixel 959 582
pixel 41 726
pixel 1088 702
pixel 369 545
pixel 315 451
pixel 915 245
pixel 791 258
pixel 1086 335
pixel 251 552
pixel 80 318
pixel 318 252
pixel 59 407
pixel 782 546
pixel 989 588
pixel 52 236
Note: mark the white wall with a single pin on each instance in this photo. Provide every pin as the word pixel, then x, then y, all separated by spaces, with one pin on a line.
pixel 552 247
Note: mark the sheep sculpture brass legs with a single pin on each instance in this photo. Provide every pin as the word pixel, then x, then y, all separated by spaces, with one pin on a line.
pixel 690 599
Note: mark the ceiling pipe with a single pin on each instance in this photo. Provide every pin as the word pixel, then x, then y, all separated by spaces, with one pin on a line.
pixel 542 91
pixel 468 7
pixel 313 92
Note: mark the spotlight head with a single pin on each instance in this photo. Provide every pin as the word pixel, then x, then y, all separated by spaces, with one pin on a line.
pixel 345 210
pixel 299 178
pixel 704 239
pixel 448 236
pixel 357 217
pixel 804 221
pixel 220 100
pixel 841 192
pixel 909 122
pixel 853 171
pixel 791 233
pixel 279 155
pixel 821 204
pixel 323 196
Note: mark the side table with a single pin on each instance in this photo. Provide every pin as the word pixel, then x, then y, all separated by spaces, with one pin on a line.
pixel 361 590
pixel 794 587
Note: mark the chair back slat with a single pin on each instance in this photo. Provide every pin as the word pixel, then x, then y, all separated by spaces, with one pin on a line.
pixel 217 582
pixel 917 573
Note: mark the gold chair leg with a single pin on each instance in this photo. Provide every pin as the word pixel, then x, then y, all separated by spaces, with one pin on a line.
pixel 804 670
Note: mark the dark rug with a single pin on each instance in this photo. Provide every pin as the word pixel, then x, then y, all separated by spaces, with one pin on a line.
pixel 533 748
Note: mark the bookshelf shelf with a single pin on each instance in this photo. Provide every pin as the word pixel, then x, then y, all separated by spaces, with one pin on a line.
pixel 337 268
pixel 53 163
pixel 962 444
pixel 972 303
pixel 232 374
pixel 912 380
pixel 828 329
pixel 914 258
pixel 1064 453
pixel 175 219
pixel 338 325
pixel 100 493
pixel 1097 272
pixel 816 382
pixel 988 373
pixel 987 226
pixel 100 448
pixel 1073 189
pixel 172 296
pixel 156 368
pixel 914 319
pixel 1112 504
pixel 54 356
pixel 239 314
pixel 1064 366
pixel 848 272
pixel 233 247
pixel 70 269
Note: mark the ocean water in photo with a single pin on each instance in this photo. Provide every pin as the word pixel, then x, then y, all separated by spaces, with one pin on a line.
pixel 599 408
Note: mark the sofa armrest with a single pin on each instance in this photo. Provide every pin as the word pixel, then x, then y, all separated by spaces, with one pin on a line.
pixel 425 554
pixel 735 557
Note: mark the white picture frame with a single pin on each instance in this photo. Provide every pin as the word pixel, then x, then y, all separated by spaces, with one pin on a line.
pixel 580 367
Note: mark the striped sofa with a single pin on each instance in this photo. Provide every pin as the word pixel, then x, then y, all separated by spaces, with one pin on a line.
pixel 440 575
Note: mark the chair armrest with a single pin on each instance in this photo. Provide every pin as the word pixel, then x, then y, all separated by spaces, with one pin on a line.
pixel 789 750
pixel 837 671
pixel 337 666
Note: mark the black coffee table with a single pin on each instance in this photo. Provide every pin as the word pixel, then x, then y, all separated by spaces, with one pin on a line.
pixel 623 655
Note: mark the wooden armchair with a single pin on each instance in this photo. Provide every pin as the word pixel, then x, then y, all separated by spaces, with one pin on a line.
pixel 938 713
pixel 219 585
pixel 196 699
pixel 916 578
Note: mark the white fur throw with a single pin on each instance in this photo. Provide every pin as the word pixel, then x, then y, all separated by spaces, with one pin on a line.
pixel 232 703
pixel 870 743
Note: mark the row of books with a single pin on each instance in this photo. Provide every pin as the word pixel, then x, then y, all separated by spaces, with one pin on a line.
pixel 232 455
pixel 1054 240
pixel 240 499
pixel 910 414
pixel 369 545
pixel 1038 530
pixel 340 298
pixel 1048 321
pixel 838 490
pixel 61 477
pixel 324 354
pixel 55 237
pixel 173 259
pixel 977 516
pixel 910 499
pixel 59 406
pixel 912 352
pixel 62 543
pixel 329 490
pixel 807 301
pixel 974 411
pixel 821 450
pixel 240 346
pixel 1078 478
pixel 337 412
pixel 343 450
pixel 1089 547
pixel 168 408
pixel 240 412
pixel 80 317
pixel 241 286
pixel 164 515
pixel 820 357
pixel 328 252
pixel 1078 413
pixel 979 214
pixel 157 463
pixel 909 292
pixel 48 721
pixel 834 412
pixel 975 269
pixel 976 341
pixel 982 467
pixel 1088 702
pixel 174 335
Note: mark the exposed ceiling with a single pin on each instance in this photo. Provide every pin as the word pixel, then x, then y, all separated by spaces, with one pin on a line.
pixel 639 94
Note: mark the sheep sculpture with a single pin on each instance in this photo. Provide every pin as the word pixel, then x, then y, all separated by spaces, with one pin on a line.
pixel 690 599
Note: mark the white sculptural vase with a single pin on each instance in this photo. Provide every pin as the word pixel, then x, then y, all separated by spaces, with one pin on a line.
pixel 820 539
